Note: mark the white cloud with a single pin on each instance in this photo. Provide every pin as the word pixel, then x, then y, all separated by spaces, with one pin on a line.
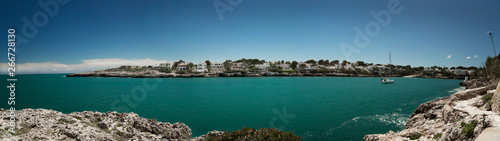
pixel 468 57
pixel 475 56
pixel 86 65
pixel 449 56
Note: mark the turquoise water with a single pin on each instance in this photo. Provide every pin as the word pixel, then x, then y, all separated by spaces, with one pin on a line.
pixel 316 108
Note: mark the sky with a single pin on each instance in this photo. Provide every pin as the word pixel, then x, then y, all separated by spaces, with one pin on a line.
pixel 75 35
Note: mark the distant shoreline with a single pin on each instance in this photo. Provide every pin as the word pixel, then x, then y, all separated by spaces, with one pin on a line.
pixel 208 75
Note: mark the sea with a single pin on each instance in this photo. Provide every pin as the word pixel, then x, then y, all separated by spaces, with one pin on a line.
pixel 315 108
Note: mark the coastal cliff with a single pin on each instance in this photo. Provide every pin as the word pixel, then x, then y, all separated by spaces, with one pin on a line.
pixel 462 116
pixel 42 124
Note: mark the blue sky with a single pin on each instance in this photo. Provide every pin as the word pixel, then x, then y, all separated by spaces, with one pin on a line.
pixel 424 33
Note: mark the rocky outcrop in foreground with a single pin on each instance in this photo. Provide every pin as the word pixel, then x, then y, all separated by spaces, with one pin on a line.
pixel 462 116
pixel 42 124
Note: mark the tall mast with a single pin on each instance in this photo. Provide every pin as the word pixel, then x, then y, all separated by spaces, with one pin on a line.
pixel 390 62
pixel 491 37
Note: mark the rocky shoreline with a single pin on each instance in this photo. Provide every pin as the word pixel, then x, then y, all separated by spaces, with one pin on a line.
pixel 174 75
pixel 462 116
pixel 156 74
pixel 43 124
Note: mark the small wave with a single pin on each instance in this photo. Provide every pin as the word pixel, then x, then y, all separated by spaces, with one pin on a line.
pixel 326 132
pixel 391 118
pixel 456 90
pixel 397 119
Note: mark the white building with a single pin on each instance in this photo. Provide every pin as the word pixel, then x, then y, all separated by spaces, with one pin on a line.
pixel 182 66
pixel 217 67
pixel 308 66
pixel 200 67
pixel 461 71
pixel 348 67
pixel 284 67
pixel 167 65
pixel 263 66
pixel 238 66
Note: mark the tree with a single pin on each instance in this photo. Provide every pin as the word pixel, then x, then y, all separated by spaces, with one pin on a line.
pixel 321 62
pixel 361 63
pixel 334 62
pixel 302 66
pixel 176 63
pixel 421 68
pixel 227 64
pixel 472 68
pixel 327 62
pixel 282 61
pixel 311 61
pixel 252 69
pixel 344 62
pixel 490 71
pixel 190 66
pixel 294 65
pixel 208 65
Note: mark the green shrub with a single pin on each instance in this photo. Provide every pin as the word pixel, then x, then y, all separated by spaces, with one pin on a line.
pixel 437 136
pixel 490 71
pixel 24 129
pixel 181 72
pixel 253 134
pixel 488 97
pixel 468 129
pixel 414 137
pixel 165 70
pixel 79 118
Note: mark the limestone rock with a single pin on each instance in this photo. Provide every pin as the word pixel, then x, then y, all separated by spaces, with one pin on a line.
pixel 442 116
pixel 495 101
pixel 42 124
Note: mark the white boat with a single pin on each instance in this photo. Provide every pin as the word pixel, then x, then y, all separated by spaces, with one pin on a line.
pixel 387 80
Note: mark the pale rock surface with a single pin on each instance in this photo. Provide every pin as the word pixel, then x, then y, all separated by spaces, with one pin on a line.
pixel 42 124
pixel 444 116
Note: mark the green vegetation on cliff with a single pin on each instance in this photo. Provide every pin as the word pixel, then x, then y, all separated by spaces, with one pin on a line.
pixel 468 129
pixel 253 134
pixel 490 71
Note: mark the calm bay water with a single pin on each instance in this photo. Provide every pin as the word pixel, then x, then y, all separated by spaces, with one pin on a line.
pixel 316 108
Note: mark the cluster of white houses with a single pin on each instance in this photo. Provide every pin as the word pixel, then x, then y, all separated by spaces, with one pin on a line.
pixel 198 67
pixel 216 67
